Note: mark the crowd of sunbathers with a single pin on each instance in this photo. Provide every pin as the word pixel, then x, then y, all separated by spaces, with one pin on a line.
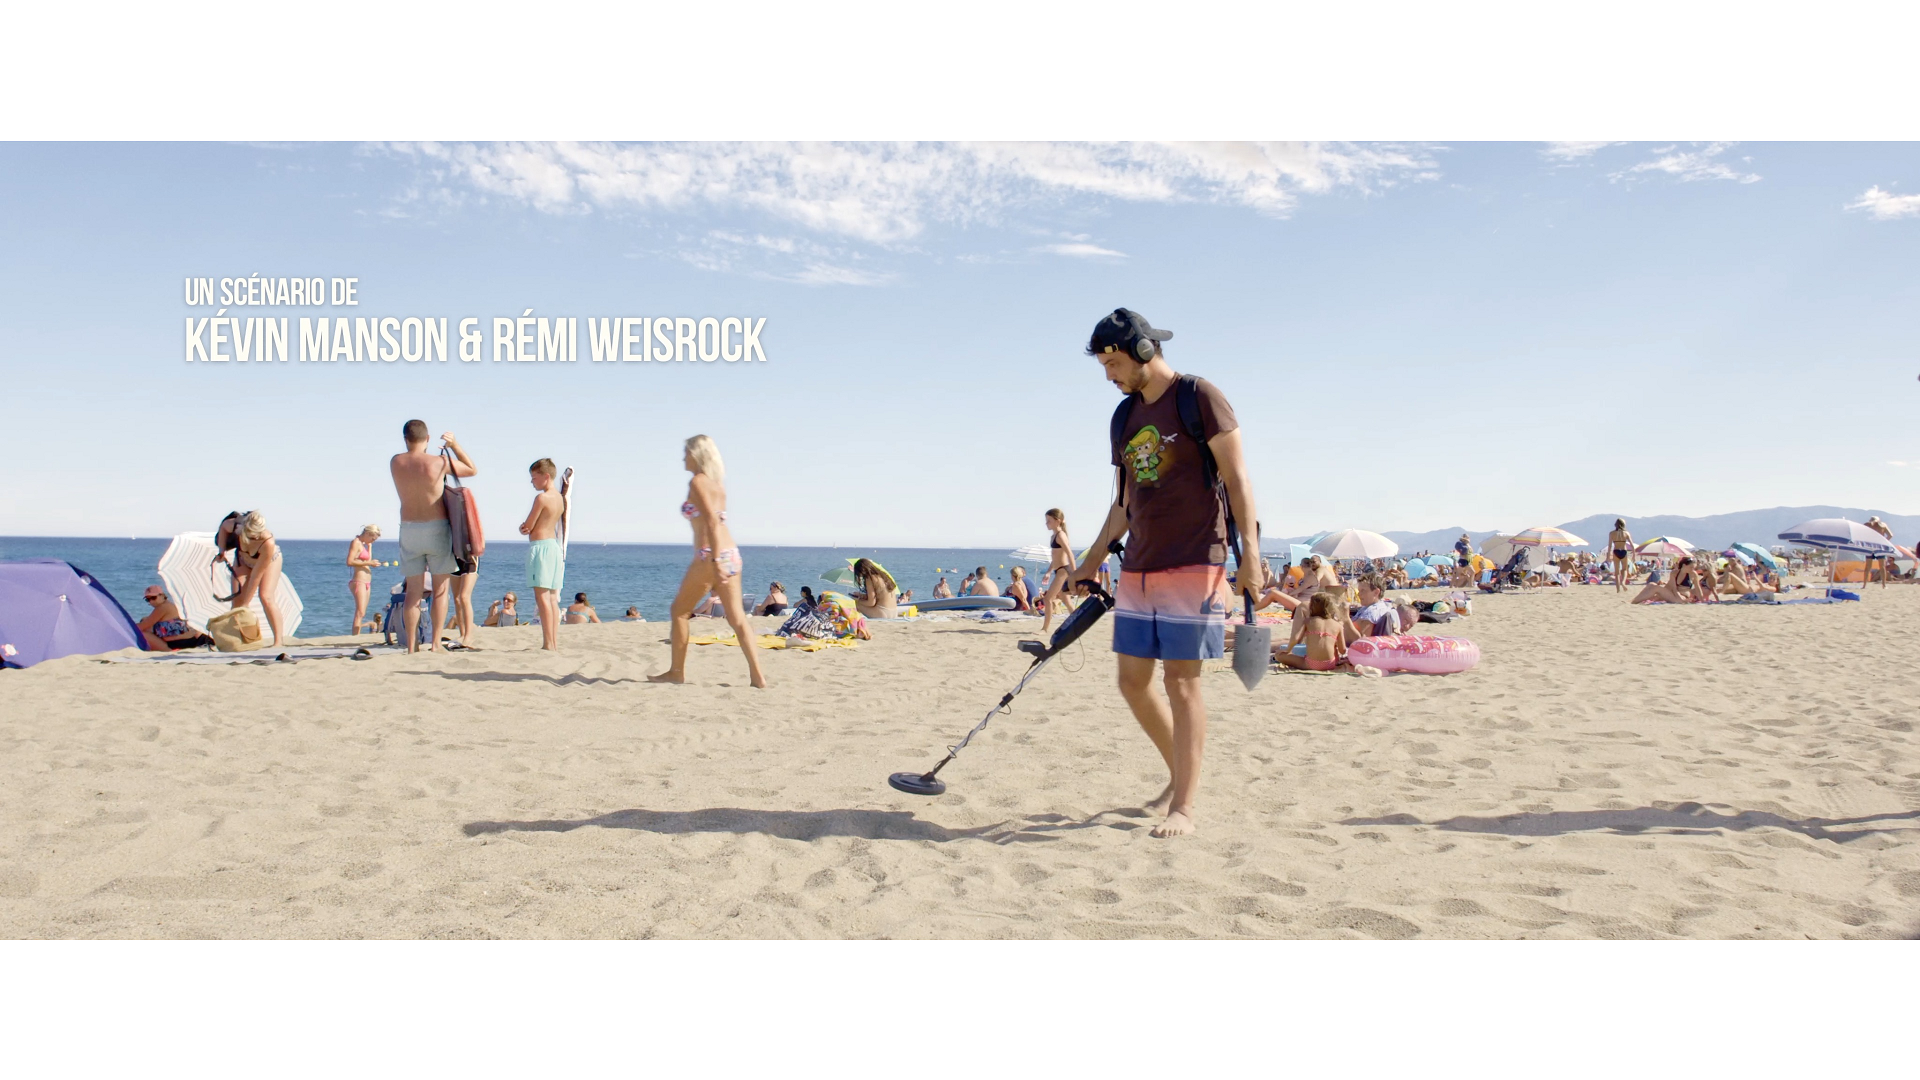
pixel 1325 622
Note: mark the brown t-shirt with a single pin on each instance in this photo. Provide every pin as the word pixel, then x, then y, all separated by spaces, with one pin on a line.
pixel 1173 517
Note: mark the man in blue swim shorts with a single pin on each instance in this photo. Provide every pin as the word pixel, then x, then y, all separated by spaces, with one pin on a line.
pixel 1177 447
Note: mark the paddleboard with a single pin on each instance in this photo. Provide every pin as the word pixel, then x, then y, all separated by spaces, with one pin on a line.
pixel 566 510
pixel 966 603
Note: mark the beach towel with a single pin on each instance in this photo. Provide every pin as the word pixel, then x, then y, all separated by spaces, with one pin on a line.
pixel 775 641
pixel 294 654
pixel 832 616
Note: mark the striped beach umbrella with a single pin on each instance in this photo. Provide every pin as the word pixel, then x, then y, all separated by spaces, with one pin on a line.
pixel 191 578
pixel 1840 534
pixel 1760 554
pixel 1036 553
pixel 1545 536
pixel 1671 547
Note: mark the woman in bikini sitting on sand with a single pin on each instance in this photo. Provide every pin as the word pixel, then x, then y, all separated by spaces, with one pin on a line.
pixel 258 572
pixel 1685 586
pixel 1323 631
pixel 716 563
pixel 1621 541
pixel 502 612
pixel 878 591
pixel 1275 596
pixel 164 628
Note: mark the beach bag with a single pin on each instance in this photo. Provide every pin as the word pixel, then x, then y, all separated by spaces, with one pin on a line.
pixel 463 518
pixel 393 624
pixel 235 631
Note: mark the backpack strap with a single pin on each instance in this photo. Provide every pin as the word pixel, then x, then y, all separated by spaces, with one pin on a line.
pixel 1186 400
pixel 451 477
pixel 1117 434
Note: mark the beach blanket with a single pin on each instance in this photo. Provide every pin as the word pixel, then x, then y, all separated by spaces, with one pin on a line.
pixel 775 641
pixel 293 655
pixel 832 616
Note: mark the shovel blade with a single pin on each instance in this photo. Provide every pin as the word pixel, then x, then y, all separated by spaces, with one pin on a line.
pixel 1252 653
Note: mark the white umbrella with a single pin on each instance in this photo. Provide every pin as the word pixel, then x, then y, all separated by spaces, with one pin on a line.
pixel 1036 553
pixel 1356 544
pixel 1498 547
pixel 1545 536
pixel 191 579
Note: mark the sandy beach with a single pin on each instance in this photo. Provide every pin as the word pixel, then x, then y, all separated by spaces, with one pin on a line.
pixel 1607 772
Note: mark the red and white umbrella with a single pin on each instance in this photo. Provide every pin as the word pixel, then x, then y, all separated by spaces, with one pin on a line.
pixel 1670 547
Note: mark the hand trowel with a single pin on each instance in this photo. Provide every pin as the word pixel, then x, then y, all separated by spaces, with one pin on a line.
pixel 1252 648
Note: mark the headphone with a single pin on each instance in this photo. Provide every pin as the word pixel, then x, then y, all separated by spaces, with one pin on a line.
pixel 1143 347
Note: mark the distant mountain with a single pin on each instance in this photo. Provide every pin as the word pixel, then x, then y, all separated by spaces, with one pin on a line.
pixel 1717 531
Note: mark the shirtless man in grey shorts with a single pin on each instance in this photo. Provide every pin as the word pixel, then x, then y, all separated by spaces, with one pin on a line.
pixel 426 540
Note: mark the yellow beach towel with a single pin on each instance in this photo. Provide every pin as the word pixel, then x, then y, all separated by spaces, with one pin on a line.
pixel 775 641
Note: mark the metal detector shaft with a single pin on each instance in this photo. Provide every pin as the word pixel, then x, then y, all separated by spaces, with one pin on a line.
pixel 999 707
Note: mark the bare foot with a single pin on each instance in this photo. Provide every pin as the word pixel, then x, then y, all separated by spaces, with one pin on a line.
pixel 668 676
pixel 1161 802
pixel 1177 824
pixel 760 684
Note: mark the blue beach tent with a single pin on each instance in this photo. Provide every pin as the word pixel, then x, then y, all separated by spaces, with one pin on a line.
pixel 50 608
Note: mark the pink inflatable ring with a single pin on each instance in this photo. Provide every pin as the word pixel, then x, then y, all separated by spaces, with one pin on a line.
pixel 1414 652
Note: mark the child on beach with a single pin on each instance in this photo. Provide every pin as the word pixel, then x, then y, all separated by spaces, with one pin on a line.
pixel 546 567
pixel 1324 633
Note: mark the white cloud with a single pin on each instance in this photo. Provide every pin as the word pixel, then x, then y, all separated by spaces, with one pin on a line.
pixel 1689 165
pixel 800 261
pixel 1568 152
pixel 888 193
pixel 1885 206
pixel 1083 251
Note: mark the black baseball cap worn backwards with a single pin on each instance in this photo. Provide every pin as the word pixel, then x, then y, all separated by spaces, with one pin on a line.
pixel 1126 331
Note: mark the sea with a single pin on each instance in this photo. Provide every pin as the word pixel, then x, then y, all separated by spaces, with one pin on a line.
pixel 614 576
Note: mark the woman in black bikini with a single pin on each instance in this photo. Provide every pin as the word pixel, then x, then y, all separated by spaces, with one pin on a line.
pixel 1059 564
pixel 258 572
pixel 1622 542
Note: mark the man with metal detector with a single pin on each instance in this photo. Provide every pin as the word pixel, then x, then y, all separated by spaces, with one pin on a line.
pixel 1182 488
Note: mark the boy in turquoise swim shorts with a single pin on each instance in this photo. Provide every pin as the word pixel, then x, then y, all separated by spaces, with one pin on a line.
pixel 546 567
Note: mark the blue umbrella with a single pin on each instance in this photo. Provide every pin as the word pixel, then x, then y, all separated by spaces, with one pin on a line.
pixel 1764 556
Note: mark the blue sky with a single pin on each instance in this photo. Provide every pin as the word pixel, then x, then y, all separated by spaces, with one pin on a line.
pixel 1414 335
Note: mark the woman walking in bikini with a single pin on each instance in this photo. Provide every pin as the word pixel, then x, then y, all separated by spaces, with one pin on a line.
pixel 715 566
pixel 1060 565
pixel 1621 541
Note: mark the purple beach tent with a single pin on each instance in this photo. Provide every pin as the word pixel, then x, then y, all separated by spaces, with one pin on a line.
pixel 50 608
